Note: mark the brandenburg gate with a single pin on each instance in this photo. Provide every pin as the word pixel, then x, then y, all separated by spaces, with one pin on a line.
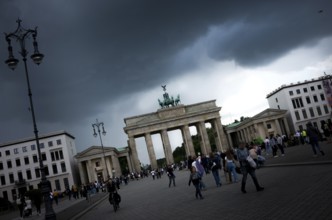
pixel 168 118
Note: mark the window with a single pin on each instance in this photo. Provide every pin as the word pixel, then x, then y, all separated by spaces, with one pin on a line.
pixel 312 114
pixel 291 93
pixel 37 172
pixel 11 178
pixel 7 152
pixel 298 91
pixel 63 167
pixel 308 99
pixel 319 87
pixel 3 180
pixel 0 154
pixel 20 175
pixel 24 149
pixel 268 126
pixel 33 147
pixel 97 164
pixel 58 142
pixel 315 98
pixel 46 171
pixel 276 99
pixel 50 143
pixel 66 182
pixel 1 166
pixel 312 88
pixel 278 107
pixel 35 158
pixel 55 169
pixel 26 160
pixel 322 97
pixel 319 111
pixel 52 156
pixel 41 145
pixel 297 103
pixel 15 150
pixel 18 162
pixel 326 109
pixel 305 90
pixel 57 185
pixel 61 154
pixel 9 164
pixel 304 113
pixel 57 155
pixel 44 156
pixel 29 174
pixel 297 115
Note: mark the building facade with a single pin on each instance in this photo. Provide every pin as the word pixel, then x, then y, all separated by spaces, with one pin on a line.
pixel 97 163
pixel 19 164
pixel 307 101
pixel 266 123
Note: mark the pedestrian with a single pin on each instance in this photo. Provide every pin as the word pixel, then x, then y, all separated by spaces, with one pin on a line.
pixel 56 196
pixel 20 201
pixel 230 165
pixel 280 144
pixel 200 169
pixel 37 200
pixel 242 154
pixel 267 146
pixel 28 207
pixel 214 164
pixel 171 176
pixel 195 178
pixel 313 135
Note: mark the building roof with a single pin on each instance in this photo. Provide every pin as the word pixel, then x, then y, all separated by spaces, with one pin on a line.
pixel 44 136
pixel 298 83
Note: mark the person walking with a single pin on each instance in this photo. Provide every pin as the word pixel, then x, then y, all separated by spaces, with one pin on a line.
pixel 230 165
pixel 242 154
pixel 171 176
pixel 195 178
pixel 20 201
pixel 215 166
pixel 313 135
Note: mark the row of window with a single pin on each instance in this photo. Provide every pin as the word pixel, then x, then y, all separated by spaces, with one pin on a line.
pixel 55 155
pixel 311 112
pixel 32 147
pixel 305 90
pixel 298 103
pixel 29 175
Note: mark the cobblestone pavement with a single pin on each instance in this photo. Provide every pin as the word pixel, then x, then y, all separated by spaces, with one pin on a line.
pixel 297 186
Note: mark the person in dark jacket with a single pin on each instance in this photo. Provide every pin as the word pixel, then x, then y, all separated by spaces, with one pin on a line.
pixel 313 135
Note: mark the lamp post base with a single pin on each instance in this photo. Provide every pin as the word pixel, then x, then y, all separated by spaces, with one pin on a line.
pixel 46 189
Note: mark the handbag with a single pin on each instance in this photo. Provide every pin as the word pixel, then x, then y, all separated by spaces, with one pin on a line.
pixel 251 162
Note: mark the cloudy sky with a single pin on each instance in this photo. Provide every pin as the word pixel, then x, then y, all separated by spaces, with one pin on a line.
pixel 107 59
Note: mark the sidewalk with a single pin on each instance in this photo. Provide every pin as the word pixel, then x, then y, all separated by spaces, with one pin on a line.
pixel 299 155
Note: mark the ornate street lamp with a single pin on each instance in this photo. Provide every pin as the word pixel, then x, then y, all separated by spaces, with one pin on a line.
pixel 20 35
pixel 98 125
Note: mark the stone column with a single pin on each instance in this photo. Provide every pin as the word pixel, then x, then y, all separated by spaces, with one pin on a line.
pixel 265 129
pixel 286 126
pixel 167 147
pixel 278 127
pixel 105 176
pixel 217 128
pixel 205 143
pixel 130 168
pixel 152 155
pixel 90 171
pixel 82 173
pixel 188 142
pixel 116 166
pixel 134 155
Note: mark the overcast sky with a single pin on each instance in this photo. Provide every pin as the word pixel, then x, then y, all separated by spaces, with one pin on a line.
pixel 107 59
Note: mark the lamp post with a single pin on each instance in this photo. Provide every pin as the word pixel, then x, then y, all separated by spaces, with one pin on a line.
pixel 21 35
pixel 98 125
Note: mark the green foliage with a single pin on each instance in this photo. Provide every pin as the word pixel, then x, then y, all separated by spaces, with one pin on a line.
pixel 258 141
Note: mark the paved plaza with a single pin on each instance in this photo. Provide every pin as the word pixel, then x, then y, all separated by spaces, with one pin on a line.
pixel 297 186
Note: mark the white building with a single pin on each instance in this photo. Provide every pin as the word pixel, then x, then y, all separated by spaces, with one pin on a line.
pixel 19 164
pixel 307 101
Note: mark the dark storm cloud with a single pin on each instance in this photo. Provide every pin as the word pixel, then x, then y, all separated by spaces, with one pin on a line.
pixel 97 52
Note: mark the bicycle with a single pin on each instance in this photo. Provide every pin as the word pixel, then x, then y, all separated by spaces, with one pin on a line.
pixel 114 199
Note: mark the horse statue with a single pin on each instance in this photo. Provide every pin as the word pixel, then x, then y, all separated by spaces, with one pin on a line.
pixel 177 100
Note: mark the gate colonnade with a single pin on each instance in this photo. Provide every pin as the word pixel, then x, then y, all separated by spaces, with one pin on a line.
pixel 172 118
